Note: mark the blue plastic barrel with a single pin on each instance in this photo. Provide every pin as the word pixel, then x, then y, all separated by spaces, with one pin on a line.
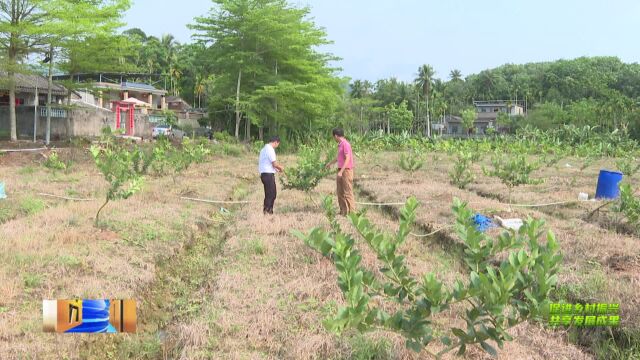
pixel 608 184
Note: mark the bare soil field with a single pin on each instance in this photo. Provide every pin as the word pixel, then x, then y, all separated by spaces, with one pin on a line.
pixel 219 281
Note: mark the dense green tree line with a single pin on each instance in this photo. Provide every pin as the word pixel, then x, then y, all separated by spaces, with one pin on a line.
pixel 599 91
pixel 255 66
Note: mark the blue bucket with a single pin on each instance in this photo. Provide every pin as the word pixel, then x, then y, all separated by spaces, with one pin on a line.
pixel 608 184
pixel 3 195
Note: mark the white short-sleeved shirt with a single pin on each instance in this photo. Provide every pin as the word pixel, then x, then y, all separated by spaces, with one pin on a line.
pixel 267 157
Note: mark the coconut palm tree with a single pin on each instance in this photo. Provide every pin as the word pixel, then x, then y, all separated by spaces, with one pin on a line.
pixel 175 74
pixel 455 75
pixel 488 80
pixel 424 80
pixel 367 87
pixel 357 90
pixel 169 43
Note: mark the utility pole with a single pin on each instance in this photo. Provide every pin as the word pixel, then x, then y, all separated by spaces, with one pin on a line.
pixel 238 117
pixel 428 119
pixel 48 130
pixel 35 115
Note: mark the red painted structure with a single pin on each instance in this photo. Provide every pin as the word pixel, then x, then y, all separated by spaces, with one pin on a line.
pixel 119 107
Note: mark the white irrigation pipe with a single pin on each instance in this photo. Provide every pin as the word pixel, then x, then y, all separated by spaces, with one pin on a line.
pixel 380 204
pixel 217 201
pixel 433 232
pixel 549 204
pixel 21 150
pixel 64 197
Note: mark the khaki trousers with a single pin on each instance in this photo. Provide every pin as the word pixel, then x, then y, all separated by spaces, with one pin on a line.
pixel 346 200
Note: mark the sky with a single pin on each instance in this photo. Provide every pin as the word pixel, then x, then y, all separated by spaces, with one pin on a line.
pixel 392 38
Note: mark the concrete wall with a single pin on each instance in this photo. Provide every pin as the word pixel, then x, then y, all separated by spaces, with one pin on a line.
pixel 24 124
pixel 84 122
pixel 143 127
pixel 89 122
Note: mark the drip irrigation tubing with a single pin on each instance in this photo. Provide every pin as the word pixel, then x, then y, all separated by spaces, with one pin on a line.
pixel 218 201
pixel 21 150
pixel 64 197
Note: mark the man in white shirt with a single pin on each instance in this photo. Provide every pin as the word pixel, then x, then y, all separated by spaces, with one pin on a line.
pixel 267 167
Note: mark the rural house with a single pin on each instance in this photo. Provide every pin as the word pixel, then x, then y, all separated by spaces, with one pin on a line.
pixel 31 90
pixel 26 86
pixel 120 92
pixel 104 88
pixel 487 115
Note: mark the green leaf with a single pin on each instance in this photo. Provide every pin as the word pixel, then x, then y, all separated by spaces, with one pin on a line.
pixel 462 350
pixel 488 348
pixel 459 333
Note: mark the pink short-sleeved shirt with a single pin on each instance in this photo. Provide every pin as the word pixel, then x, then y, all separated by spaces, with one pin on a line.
pixel 344 149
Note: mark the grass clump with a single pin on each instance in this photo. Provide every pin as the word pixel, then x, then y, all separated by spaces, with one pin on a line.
pixel 27 170
pixel 257 247
pixel 363 347
pixel 30 205
pixel 32 280
pixel 227 149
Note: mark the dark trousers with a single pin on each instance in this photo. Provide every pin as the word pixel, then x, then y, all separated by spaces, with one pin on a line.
pixel 269 182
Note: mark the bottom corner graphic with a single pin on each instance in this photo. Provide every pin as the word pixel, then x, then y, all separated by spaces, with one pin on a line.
pixel 89 316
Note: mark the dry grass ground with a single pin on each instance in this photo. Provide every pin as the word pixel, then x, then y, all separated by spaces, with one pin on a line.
pixel 240 286
pixel 51 249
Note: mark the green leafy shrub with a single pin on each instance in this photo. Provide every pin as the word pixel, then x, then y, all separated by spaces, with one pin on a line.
pixel 231 150
pixel 310 169
pixel 461 176
pixel 122 168
pixel 628 165
pixel 166 155
pixel 513 171
pixel 257 146
pixel 197 151
pixel 162 151
pixel 224 137
pixel 496 297
pixel 411 162
pixel 629 205
pixel 53 162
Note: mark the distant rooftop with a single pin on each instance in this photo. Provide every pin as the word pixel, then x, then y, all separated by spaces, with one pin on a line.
pixel 140 86
pixel 132 86
pixel 121 81
pixel 498 103
pixel 29 83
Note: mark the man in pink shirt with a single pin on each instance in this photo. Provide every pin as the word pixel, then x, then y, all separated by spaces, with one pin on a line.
pixel 344 181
